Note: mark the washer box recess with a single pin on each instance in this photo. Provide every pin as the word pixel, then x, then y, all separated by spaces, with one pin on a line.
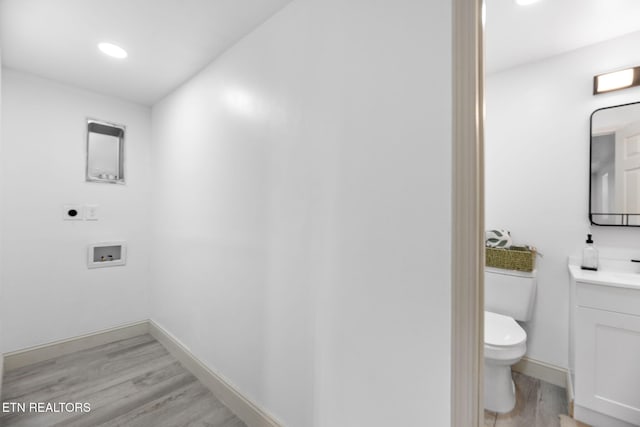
pixel 107 254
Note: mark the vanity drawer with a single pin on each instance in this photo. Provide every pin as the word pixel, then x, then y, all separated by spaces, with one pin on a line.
pixel 606 297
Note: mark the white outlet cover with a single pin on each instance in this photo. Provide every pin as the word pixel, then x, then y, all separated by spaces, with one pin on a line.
pixel 91 212
pixel 72 213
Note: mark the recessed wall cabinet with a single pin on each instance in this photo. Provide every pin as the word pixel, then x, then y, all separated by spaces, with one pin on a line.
pixel 614 187
pixel 105 152
pixel 604 350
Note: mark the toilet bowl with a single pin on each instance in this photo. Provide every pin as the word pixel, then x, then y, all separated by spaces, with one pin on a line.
pixel 509 296
pixel 505 342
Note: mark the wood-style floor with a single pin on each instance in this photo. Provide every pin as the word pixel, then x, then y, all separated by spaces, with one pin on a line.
pixel 133 383
pixel 137 383
pixel 538 404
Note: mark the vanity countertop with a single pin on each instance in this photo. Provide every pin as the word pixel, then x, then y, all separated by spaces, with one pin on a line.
pixel 608 275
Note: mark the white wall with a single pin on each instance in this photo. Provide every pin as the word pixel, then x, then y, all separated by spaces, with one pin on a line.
pixel 302 214
pixel 537 171
pixel 48 292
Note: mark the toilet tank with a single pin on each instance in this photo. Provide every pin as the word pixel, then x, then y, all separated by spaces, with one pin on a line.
pixel 510 292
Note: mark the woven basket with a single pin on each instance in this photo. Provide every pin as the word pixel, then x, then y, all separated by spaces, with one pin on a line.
pixel 514 258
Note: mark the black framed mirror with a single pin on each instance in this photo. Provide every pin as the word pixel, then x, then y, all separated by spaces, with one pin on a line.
pixel 614 184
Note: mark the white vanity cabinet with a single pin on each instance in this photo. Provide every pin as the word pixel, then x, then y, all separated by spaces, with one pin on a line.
pixel 605 347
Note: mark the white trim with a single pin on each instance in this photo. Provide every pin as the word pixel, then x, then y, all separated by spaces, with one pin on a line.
pixel 595 418
pixel 570 393
pixel 28 356
pixel 542 371
pixel 467 253
pixel 1 372
pixel 246 410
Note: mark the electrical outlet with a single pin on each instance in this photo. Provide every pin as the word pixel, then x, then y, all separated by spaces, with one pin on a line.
pixel 72 213
pixel 91 212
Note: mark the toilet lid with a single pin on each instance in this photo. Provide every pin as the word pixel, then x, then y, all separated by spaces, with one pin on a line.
pixel 502 330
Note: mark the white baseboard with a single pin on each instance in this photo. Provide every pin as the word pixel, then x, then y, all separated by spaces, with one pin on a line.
pixel 570 394
pixel 542 371
pixel 28 356
pixel 246 410
pixel 1 371
pixel 594 418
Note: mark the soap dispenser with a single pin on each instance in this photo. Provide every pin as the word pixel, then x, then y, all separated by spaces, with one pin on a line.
pixel 589 256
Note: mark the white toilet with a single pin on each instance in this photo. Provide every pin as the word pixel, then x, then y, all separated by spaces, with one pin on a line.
pixel 509 296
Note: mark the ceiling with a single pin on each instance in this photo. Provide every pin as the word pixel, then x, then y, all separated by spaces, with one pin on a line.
pixel 168 41
pixel 519 34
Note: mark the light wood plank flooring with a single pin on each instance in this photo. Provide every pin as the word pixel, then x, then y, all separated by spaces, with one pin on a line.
pixel 538 404
pixel 133 383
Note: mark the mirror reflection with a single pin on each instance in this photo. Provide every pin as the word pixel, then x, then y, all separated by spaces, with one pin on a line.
pixel 615 166
pixel 105 152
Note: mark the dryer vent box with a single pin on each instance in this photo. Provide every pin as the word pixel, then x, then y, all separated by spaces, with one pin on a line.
pixel 109 254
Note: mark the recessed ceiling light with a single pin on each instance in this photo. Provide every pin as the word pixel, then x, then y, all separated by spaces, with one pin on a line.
pixel 526 2
pixel 112 50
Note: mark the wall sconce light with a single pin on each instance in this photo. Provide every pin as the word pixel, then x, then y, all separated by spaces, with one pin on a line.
pixel 616 80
